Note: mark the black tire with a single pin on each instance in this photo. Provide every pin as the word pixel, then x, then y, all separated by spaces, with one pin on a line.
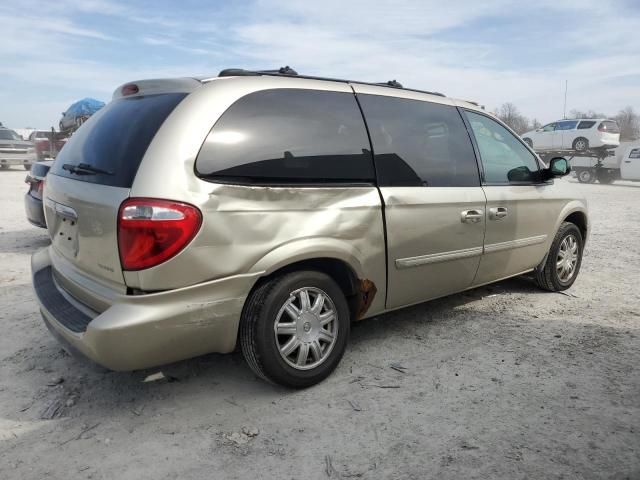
pixel 27 166
pixel 4 167
pixel 257 337
pixel 586 175
pixel 546 275
pixel 580 144
pixel 605 177
pixel 528 141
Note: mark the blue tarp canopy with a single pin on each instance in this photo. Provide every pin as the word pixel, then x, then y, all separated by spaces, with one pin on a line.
pixel 86 106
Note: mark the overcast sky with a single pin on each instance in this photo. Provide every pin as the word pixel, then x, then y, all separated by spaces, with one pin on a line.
pixel 55 52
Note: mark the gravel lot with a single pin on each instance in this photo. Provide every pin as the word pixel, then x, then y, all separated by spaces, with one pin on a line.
pixel 503 381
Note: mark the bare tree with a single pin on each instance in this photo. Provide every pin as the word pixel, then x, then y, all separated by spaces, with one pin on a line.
pixel 577 114
pixel 510 115
pixel 629 123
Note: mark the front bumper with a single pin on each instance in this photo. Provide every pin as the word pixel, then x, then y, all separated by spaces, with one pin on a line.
pixel 142 331
pixel 18 159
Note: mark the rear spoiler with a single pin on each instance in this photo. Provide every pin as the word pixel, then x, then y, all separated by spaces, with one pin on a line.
pixel 155 86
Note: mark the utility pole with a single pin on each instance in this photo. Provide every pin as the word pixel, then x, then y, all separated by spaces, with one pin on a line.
pixel 564 111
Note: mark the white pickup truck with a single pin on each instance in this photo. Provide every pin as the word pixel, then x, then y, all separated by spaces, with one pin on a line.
pixel 623 165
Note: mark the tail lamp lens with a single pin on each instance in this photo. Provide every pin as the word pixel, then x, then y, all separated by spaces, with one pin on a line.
pixel 151 231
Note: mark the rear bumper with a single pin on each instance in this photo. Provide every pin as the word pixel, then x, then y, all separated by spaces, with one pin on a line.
pixel 142 331
pixel 34 210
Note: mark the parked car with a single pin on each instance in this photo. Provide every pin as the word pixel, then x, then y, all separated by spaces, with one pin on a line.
pixel 621 164
pixel 577 135
pixel 78 113
pixel 33 199
pixel 259 209
pixel 15 151
pixel 47 143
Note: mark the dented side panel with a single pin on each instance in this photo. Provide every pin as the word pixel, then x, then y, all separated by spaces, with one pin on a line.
pixel 262 229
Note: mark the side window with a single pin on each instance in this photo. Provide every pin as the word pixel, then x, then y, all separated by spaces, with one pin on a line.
pixel 570 125
pixel 419 143
pixel 504 158
pixel 549 128
pixel 585 125
pixel 288 136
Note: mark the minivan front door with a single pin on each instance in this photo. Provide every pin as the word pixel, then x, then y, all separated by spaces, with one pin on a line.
pixel 429 183
pixel 519 217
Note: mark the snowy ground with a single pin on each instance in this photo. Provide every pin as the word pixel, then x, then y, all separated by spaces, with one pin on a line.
pixel 500 382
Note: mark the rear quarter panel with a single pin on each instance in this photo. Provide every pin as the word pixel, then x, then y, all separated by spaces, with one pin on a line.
pixel 249 229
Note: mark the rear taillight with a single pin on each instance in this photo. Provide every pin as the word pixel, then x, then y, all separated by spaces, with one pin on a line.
pixel 602 127
pixel 151 231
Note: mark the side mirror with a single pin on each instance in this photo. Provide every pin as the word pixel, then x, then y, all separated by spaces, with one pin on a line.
pixel 558 167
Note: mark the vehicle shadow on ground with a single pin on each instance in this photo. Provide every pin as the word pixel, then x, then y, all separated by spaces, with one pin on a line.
pixel 228 379
pixel 25 241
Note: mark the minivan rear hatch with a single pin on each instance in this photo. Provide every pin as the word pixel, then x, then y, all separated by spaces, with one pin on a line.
pixel 92 176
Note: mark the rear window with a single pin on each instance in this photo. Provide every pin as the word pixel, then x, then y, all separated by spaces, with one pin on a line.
pixel 634 153
pixel 609 126
pixel 586 125
pixel 115 139
pixel 288 136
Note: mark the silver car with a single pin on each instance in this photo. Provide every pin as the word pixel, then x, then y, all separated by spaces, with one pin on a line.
pixel 15 151
pixel 270 210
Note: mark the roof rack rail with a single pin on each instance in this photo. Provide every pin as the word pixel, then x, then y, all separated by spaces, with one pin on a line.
pixel 287 71
pixel 391 83
pixel 241 72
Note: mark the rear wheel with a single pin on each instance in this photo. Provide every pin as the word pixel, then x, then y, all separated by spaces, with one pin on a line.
pixel 528 141
pixel 586 176
pixel 581 144
pixel 605 177
pixel 294 328
pixel 27 166
pixel 4 167
pixel 562 265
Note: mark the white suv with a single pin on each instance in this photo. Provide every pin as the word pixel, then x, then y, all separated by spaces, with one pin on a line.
pixel 577 135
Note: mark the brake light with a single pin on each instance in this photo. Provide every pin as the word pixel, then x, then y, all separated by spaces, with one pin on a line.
pixel 129 89
pixel 602 127
pixel 151 231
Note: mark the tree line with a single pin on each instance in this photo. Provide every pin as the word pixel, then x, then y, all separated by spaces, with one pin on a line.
pixel 628 120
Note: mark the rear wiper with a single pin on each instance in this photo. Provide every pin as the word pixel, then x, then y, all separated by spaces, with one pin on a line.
pixel 84 168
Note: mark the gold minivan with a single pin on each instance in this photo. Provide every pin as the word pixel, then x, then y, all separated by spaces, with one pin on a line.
pixel 269 210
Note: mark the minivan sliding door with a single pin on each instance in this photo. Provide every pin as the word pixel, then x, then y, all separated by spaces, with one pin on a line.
pixel 428 178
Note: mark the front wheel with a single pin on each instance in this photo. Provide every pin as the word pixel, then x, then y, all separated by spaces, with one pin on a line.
pixel 294 328
pixel 528 141
pixel 562 265
pixel 586 176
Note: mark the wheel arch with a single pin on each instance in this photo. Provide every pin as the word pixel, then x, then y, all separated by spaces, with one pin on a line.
pixel 332 257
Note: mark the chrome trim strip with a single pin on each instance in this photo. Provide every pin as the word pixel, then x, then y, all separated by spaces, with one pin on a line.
pixel 521 242
pixel 468 252
pixel 438 257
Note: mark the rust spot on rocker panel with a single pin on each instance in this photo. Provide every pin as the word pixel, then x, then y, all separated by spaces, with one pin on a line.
pixel 366 292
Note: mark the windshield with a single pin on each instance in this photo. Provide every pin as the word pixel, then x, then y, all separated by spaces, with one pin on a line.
pixel 112 143
pixel 9 135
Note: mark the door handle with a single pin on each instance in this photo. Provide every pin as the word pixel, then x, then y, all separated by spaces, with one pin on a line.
pixel 496 213
pixel 471 216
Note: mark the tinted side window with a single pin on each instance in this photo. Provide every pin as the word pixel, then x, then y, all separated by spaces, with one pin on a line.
pixel 566 125
pixel 586 125
pixel 609 126
pixel 504 158
pixel 288 136
pixel 418 143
